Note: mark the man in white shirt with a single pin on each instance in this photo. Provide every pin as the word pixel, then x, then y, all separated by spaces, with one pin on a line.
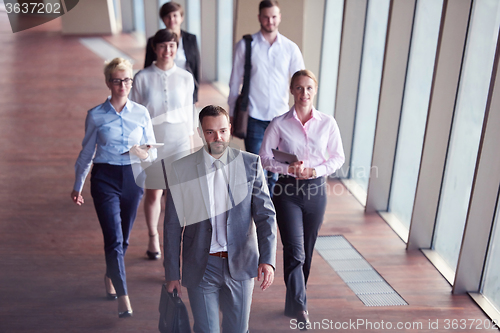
pixel 275 59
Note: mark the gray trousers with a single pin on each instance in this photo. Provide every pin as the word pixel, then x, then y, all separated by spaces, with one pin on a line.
pixel 218 290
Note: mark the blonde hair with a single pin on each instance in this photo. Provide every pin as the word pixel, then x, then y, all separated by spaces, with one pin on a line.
pixel 303 72
pixel 117 64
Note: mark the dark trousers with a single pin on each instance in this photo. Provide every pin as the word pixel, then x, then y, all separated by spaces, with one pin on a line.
pixel 116 199
pixel 300 208
pixel 255 134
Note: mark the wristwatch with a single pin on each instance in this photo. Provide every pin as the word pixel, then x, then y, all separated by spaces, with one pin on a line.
pixel 314 175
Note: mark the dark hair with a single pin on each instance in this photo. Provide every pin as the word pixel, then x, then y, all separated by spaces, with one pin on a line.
pixel 170 7
pixel 268 4
pixel 164 35
pixel 212 111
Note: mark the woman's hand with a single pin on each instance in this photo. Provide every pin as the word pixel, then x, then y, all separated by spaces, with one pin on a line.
pixel 306 173
pixel 77 197
pixel 296 169
pixel 140 152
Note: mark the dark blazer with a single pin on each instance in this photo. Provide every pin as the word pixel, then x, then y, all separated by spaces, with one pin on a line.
pixel 192 58
pixel 251 223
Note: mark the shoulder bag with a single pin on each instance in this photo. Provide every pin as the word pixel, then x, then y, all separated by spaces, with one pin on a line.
pixel 240 121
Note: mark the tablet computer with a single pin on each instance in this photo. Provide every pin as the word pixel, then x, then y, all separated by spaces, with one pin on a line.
pixel 151 145
pixel 283 157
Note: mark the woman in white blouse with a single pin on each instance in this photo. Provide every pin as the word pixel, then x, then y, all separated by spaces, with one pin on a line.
pixel 188 55
pixel 167 92
pixel 300 193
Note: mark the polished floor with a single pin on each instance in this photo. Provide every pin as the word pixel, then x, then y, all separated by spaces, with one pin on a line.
pixel 51 251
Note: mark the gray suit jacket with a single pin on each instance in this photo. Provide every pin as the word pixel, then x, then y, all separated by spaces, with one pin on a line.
pixel 187 221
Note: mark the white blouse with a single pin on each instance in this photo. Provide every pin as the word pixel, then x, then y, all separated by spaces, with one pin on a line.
pixel 168 95
pixel 180 56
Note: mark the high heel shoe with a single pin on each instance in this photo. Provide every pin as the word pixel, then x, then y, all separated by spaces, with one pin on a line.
pixel 125 314
pixel 109 295
pixel 153 255
pixel 124 303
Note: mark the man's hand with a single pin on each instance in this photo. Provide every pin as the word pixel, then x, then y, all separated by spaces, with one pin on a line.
pixel 176 284
pixel 268 272
pixel 77 197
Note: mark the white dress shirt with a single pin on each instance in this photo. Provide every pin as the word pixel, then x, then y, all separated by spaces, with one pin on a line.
pixel 209 165
pixel 272 67
pixel 317 142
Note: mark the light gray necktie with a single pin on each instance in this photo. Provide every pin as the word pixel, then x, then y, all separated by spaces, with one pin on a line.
pixel 220 201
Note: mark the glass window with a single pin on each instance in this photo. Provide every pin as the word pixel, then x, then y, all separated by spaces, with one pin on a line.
pixel 491 281
pixel 466 130
pixel 116 7
pixel 192 15
pixel 330 52
pixel 224 40
pixel 138 10
pixel 415 105
pixel 369 90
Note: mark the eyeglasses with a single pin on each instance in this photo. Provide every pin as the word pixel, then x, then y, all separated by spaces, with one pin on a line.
pixel 118 82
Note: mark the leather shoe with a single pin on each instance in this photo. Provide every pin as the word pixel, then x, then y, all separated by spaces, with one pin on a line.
pixel 125 314
pixel 303 317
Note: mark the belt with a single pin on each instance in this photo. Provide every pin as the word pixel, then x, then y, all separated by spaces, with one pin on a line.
pixel 219 254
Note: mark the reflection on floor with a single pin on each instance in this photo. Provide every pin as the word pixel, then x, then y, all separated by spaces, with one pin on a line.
pixel 356 272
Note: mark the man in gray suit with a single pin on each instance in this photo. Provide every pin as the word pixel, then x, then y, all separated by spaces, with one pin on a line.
pixel 225 220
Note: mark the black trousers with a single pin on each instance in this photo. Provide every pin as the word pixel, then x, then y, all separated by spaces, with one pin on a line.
pixel 116 199
pixel 300 208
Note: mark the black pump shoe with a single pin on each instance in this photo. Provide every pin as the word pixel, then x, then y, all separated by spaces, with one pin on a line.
pixel 153 255
pixel 109 296
pixel 125 314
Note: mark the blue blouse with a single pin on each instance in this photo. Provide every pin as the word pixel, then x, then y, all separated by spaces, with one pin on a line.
pixel 109 134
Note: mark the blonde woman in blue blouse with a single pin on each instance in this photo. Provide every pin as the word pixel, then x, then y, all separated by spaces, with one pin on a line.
pixel 113 132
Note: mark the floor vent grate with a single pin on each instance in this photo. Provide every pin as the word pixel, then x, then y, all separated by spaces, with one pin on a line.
pixel 356 272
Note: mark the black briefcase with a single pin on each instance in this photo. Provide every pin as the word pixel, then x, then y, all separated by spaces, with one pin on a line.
pixel 173 313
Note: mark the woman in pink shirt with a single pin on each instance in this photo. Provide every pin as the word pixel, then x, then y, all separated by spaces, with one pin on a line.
pixel 300 194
